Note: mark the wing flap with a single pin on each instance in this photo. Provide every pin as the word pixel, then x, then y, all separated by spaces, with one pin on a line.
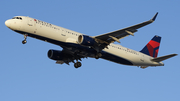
pixel 59 62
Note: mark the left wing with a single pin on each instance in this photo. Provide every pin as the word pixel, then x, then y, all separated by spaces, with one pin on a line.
pixel 119 34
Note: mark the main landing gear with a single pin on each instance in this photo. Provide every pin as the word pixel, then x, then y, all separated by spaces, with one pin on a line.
pixel 77 64
pixel 25 37
pixel 98 55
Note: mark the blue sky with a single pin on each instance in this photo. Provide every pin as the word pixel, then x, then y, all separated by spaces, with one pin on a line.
pixel 27 74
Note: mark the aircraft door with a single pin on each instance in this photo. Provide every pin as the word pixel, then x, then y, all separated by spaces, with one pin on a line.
pixel 30 22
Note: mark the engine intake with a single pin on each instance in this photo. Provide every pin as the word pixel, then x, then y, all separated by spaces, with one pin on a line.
pixel 86 40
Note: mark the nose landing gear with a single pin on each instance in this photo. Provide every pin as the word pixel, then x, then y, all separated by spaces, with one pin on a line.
pixel 24 41
pixel 25 37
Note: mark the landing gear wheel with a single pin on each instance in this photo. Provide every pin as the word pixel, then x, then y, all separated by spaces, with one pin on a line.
pixel 25 37
pixel 24 41
pixel 98 55
pixel 77 64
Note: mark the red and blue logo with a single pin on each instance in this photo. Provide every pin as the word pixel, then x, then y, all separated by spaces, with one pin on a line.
pixel 152 47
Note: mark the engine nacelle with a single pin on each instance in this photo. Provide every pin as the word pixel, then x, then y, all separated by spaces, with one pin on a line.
pixel 55 54
pixel 86 40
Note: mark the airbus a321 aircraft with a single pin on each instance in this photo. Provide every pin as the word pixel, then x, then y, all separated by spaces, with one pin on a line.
pixel 77 45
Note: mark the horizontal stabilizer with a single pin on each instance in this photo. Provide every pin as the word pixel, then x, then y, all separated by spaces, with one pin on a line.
pixel 162 58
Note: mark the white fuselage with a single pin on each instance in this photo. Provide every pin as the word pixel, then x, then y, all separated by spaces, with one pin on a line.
pixel 46 30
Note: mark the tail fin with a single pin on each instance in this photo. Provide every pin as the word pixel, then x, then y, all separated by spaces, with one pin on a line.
pixel 152 47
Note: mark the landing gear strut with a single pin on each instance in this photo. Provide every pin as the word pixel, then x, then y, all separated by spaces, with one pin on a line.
pixel 25 37
pixel 77 64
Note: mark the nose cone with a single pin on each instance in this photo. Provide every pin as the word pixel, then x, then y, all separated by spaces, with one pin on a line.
pixel 8 23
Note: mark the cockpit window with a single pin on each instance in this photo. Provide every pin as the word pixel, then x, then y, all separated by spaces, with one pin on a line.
pixel 17 18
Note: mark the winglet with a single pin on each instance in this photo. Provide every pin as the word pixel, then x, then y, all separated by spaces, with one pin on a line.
pixel 154 18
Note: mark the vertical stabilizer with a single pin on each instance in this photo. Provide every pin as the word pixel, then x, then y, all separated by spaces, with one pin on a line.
pixel 152 47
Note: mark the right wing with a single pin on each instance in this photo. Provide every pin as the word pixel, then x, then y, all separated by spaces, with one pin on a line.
pixel 119 34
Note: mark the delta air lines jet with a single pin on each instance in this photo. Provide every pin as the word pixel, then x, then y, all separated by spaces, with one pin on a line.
pixel 77 45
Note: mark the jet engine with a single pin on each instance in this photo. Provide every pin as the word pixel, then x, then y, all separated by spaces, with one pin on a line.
pixel 86 40
pixel 55 54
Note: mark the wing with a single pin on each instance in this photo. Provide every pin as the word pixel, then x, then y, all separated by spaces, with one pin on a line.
pixel 119 34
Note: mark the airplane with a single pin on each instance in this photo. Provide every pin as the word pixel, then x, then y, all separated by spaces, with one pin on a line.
pixel 76 46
